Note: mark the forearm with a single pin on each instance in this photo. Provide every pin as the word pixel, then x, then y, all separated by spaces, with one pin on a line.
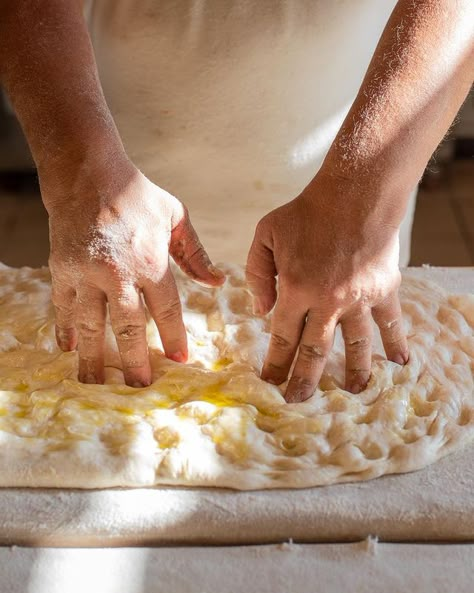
pixel 48 69
pixel 418 78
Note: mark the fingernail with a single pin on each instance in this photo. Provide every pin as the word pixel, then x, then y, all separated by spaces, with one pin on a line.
pixel 65 339
pixel 295 397
pixel 256 307
pixel 177 357
pixel 400 358
pixel 355 388
pixel 88 379
pixel 271 380
pixel 266 376
pixel 216 272
pixel 138 384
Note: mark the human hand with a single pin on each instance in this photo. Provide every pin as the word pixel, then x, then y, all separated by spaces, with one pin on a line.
pixel 335 264
pixel 110 238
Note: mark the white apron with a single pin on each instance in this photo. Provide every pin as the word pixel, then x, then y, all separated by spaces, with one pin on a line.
pixel 231 105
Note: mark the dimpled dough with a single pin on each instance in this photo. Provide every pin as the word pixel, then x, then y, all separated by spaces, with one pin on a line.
pixel 213 422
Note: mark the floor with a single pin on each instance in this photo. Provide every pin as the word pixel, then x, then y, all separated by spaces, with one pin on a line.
pixel 443 230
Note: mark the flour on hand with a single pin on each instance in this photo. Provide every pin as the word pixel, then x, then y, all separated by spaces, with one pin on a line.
pixel 213 422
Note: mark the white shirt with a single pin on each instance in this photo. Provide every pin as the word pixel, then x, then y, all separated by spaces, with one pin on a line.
pixel 231 105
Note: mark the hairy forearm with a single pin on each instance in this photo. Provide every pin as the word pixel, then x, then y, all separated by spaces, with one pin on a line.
pixel 48 69
pixel 418 78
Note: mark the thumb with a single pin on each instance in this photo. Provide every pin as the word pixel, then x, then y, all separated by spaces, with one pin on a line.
pixel 187 251
pixel 261 271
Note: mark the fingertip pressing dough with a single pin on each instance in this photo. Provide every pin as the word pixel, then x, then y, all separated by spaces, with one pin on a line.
pixel 213 422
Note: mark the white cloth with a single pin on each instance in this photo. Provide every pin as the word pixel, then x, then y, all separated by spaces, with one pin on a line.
pixel 232 105
pixel 277 568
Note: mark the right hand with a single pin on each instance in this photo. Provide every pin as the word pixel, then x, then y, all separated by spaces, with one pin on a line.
pixel 110 239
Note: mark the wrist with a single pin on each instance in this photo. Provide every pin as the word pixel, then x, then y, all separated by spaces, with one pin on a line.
pixel 83 172
pixel 360 201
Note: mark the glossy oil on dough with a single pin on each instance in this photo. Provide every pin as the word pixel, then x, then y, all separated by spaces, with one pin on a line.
pixel 213 422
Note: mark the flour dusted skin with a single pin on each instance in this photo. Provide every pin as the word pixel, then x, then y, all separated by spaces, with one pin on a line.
pixel 213 422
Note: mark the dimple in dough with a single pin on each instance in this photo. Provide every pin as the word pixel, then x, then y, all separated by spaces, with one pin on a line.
pixel 213 422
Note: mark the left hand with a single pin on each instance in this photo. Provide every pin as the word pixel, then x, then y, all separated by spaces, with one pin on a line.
pixel 337 262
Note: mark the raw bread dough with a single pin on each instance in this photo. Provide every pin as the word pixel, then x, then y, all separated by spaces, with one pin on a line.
pixel 213 422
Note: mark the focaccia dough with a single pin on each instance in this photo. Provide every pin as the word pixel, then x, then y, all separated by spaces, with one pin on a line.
pixel 213 422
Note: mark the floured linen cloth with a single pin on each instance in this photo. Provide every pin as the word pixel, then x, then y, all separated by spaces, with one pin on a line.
pixel 213 422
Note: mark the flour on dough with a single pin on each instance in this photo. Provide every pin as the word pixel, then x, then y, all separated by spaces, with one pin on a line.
pixel 213 422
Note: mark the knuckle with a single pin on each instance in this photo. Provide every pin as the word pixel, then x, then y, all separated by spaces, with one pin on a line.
pixel 303 382
pixel 62 295
pixel 63 329
pixel 170 312
pixel 89 329
pixel 339 299
pixel 394 325
pixel 263 226
pixel 277 371
pixel 126 298
pixel 110 268
pixel 129 331
pixel 259 286
pixel 311 352
pixel 57 298
pixel 355 372
pixel 197 252
pixel 362 343
pixel 250 277
pixel 394 335
pixel 63 311
pixel 56 267
pixel 280 342
pixel 396 281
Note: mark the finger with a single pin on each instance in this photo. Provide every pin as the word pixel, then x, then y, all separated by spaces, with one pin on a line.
pixel 127 317
pixel 90 316
pixel 64 301
pixel 357 333
pixel 286 327
pixel 261 271
pixel 388 317
pixel 165 307
pixel 316 343
pixel 188 252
